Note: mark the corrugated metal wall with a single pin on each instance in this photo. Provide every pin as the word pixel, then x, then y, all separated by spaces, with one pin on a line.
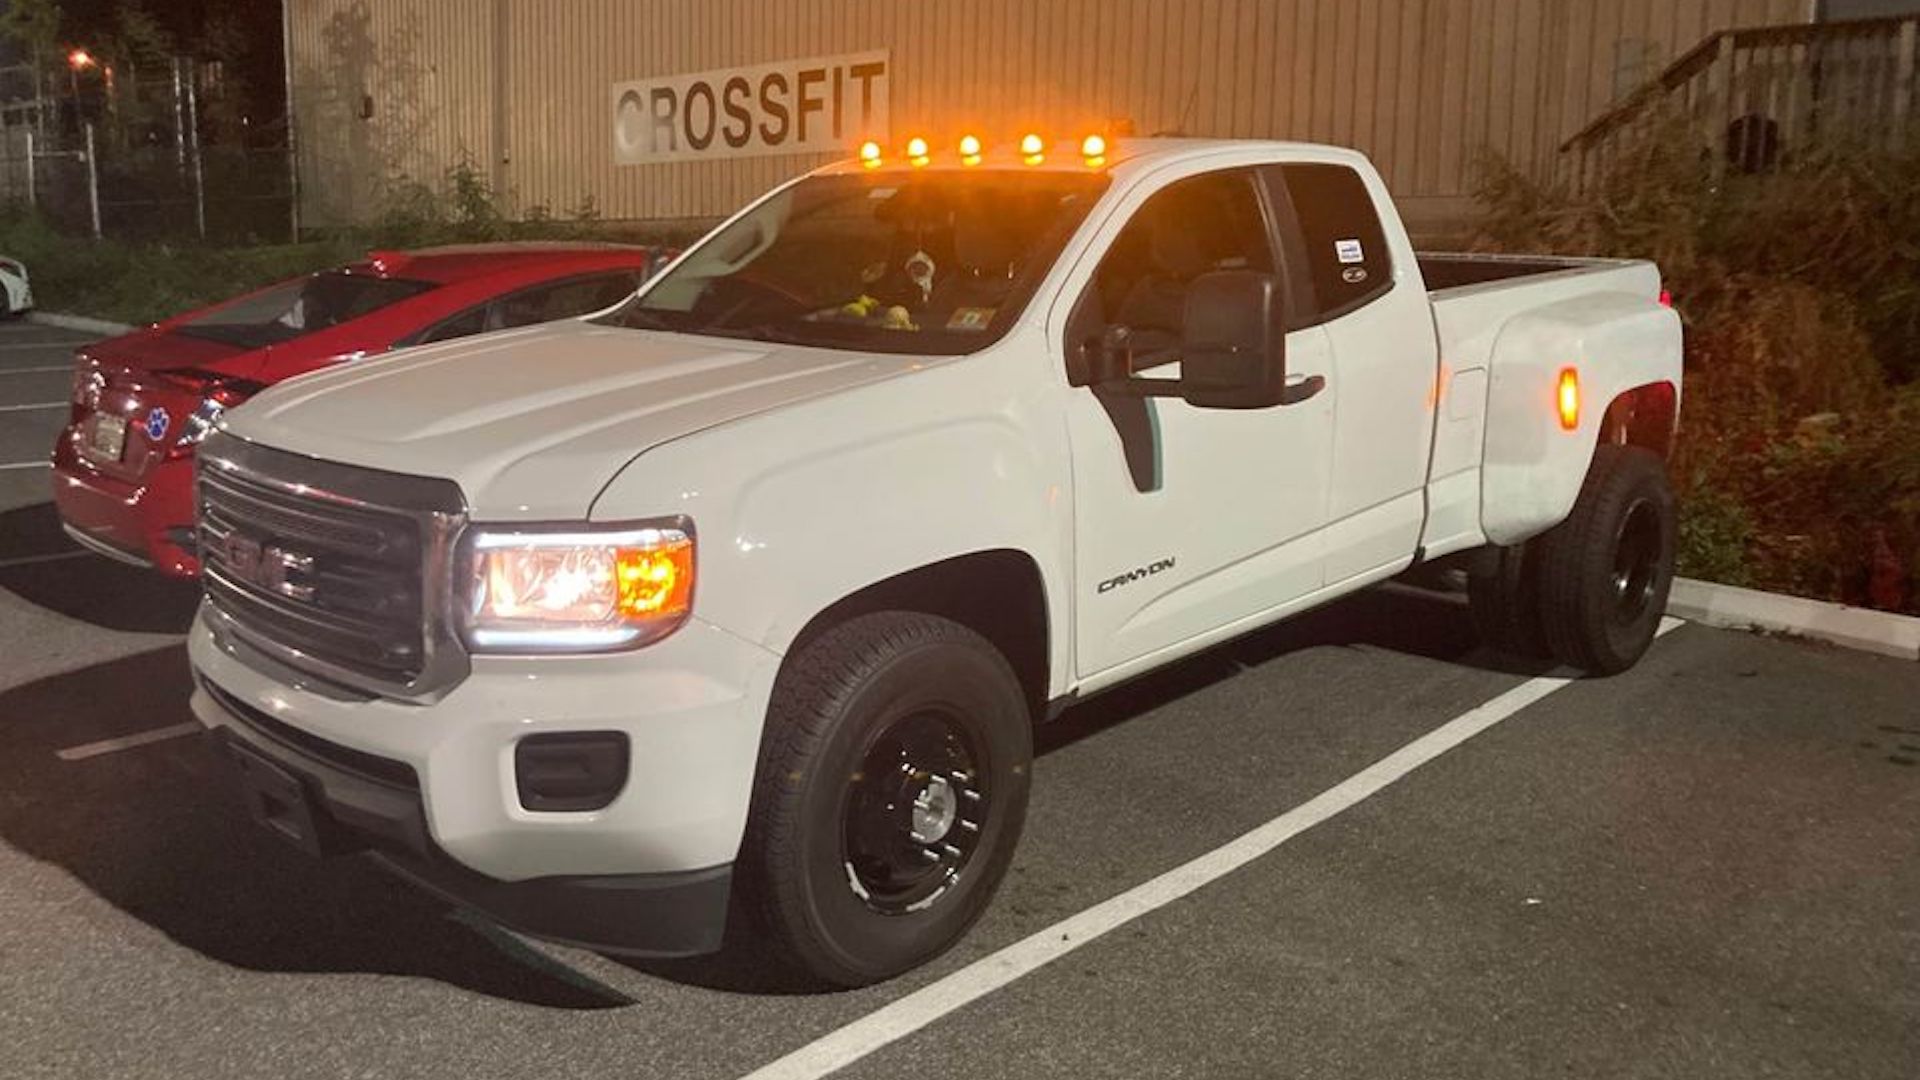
pixel 522 86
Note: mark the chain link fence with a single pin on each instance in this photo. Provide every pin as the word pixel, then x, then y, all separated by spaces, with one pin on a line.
pixel 89 186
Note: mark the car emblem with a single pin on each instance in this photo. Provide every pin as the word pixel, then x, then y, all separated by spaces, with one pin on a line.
pixel 267 567
pixel 157 421
pixel 1353 275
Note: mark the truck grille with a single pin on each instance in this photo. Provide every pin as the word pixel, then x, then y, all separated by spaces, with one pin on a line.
pixel 337 571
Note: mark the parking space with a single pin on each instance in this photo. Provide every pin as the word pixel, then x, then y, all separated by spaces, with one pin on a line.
pixel 1705 867
pixel 35 381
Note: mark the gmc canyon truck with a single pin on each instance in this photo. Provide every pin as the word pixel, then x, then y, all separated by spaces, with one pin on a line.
pixel 749 592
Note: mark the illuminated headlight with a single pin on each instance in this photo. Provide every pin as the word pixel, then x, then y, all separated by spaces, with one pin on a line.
pixel 578 590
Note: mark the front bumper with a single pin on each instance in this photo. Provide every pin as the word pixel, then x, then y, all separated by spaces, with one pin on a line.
pixel 348 801
pixel 691 707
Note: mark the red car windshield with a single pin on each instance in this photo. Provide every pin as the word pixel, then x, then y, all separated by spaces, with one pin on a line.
pixel 301 307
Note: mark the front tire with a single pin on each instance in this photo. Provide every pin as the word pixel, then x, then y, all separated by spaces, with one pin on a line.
pixel 891 789
pixel 1605 572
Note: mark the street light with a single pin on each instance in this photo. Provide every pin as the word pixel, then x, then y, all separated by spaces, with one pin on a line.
pixel 77 61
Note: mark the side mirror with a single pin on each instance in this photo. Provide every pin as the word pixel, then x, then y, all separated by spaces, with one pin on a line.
pixel 1235 351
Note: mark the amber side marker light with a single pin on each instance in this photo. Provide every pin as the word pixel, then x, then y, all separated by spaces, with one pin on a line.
pixel 1567 396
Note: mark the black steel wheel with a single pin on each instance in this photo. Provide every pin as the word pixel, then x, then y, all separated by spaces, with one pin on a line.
pixel 913 812
pixel 891 790
pixel 1605 571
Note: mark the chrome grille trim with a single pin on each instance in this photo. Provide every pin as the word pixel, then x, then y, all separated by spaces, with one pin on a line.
pixel 373 608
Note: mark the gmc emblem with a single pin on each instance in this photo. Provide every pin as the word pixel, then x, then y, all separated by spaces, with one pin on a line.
pixel 266 566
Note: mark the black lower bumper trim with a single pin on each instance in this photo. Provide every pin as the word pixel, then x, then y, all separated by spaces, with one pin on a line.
pixel 678 914
pixel 669 914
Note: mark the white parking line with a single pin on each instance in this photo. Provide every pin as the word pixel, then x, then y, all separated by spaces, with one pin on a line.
pixel 841 1048
pixel 27 465
pixel 35 370
pixel 31 560
pixel 69 343
pixel 34 406
pixel 126 742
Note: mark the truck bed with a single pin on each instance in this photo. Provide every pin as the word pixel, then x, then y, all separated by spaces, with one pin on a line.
pixel 1445 271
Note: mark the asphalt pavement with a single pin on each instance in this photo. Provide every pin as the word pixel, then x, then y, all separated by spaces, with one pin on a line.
pixel 1706 867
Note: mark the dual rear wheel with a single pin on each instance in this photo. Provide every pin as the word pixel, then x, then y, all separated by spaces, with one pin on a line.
pixel 1590 591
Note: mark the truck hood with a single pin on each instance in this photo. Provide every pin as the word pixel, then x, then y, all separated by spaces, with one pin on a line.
pixel 532 424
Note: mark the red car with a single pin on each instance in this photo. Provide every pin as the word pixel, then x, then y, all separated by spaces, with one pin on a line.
pixel 123 466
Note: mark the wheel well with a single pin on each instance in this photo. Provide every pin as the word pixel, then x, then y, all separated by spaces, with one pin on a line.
pixel 996 594
pixel 1643 416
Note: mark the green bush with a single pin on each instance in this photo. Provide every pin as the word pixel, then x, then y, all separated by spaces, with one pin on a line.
pixel 1798 463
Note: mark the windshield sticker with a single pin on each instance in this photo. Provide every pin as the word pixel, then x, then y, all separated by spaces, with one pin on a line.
pixel 1349 251
pixel 971 318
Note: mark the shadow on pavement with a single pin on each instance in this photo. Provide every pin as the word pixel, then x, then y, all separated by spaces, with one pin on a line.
pixel 157 833
pixel 1402 620
pixel 1414 622
pixel 87 587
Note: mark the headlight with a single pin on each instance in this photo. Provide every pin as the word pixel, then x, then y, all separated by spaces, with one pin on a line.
pixel 579 590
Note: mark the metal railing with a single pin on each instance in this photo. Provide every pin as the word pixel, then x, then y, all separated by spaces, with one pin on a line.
pixel 1760 95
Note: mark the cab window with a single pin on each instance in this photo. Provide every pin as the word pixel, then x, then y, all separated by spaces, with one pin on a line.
pixel 1345 244
pixel 1192 227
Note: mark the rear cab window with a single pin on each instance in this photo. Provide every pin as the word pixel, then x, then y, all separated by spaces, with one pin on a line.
pixel 297 308
pixel 1344 245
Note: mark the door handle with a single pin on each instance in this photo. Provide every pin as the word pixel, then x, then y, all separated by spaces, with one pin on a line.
pixel 1301 387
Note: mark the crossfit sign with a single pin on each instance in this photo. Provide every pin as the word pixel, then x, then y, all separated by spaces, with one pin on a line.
pixel 794 106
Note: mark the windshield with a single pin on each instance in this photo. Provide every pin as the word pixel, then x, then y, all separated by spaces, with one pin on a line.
pixel 927 263
pixel 289 310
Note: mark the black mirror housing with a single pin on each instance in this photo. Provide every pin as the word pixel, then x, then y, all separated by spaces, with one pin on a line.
pixel 1235 351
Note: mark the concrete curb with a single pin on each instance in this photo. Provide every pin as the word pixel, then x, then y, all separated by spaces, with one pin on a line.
pixel 81 323
pixel 1734 608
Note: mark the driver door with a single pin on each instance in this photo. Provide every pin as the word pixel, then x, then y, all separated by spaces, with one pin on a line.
pixel 1190 523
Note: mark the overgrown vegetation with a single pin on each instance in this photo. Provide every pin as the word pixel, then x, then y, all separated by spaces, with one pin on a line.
pixel 1798 464
pixel 140 283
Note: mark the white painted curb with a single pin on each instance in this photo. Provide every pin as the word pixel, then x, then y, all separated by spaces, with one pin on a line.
pixel 1734 608
pixel 81 323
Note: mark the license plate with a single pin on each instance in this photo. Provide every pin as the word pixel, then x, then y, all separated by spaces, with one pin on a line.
pixel 106 437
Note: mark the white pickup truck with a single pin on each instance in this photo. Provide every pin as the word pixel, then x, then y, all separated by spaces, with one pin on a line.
pixel 750 591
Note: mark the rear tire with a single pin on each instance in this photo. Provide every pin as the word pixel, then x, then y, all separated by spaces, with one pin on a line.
pixel 892 786
pixel 1504 600
pixel 1606 570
